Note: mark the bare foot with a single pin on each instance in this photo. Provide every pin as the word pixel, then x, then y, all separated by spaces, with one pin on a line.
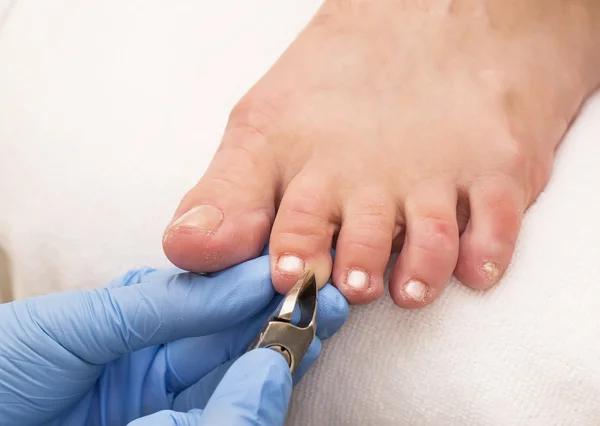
pixel 395 124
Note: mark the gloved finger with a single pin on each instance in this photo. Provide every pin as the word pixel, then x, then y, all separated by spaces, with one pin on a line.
pixel 256 390
pixel 102 325
pixel 199 393
pixel 265 251
pixel 332 312
pixel 144 275
pixel 313 352
pixel 169 418
pixel 185 368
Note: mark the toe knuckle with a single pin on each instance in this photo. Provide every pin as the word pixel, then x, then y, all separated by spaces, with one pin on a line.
pixel 514 155
pixel 300 239
pixel 243 158
pixel 524 165
pixel 506 222
pixel 369 232
pixel 228 182
pixel 255 118
pixel 442 227
pixel 306 199
pixel 303 217
pixel 498 196
pixel 504 208
pixel 520 160
pixel 376 213
pixel 539 175
pixel 368 241
pixel 437 235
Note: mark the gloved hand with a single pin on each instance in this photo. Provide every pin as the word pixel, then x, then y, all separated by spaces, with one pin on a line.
pixel 154 343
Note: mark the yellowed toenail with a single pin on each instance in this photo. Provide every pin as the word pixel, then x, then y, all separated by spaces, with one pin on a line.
pixel 415 290
pixel 357 280
pixel 203 218
pixel 290 264
pixel 490 271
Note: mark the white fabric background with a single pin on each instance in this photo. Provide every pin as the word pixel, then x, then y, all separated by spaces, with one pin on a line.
pixel 110 110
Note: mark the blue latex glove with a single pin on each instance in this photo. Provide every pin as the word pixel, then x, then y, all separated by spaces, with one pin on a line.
pixel 156 346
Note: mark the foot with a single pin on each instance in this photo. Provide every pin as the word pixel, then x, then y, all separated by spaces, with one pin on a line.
pixel 390 126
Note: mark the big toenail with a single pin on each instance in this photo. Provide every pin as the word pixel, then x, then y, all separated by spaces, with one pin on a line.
pixel 490 271
pixel 415 290
pixel 204 218
pixel 290 264
pixel 357 280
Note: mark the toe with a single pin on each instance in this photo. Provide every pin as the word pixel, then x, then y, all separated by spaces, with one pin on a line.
pixel 430 249
pixel 226 218
pixel 303 231
pixel 363 246
pixel 488 243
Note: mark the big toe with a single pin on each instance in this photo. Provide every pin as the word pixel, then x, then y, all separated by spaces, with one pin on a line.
pixel 226 218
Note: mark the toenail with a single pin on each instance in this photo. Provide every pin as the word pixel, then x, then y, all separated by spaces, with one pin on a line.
pixel 290 264
pixel 415 290
pixel 490 271
pixel 204 218
pixel 357 279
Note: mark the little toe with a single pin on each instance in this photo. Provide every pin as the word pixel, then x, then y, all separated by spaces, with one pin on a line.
pixel 430 250
pixel 226 218
pixel 488 243
pixel 363 246
pixel 303 232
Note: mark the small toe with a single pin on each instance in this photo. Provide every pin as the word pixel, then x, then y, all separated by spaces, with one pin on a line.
pixel 303 231
pixel 364 246
pixel 430 249
pixel 226 218
pixel 488 243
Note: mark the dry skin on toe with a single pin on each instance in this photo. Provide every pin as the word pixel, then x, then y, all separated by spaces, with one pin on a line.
pixel 422 127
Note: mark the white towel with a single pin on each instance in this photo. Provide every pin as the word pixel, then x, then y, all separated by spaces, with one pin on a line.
pixel 110 111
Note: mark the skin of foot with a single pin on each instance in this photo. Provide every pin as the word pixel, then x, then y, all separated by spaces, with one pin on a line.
pixel 421 127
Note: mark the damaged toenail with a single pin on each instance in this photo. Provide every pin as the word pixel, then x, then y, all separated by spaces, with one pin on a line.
pixel 204 218
pixel 357 280
pixel 415 290
pixel 290 264
pixel 490 271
